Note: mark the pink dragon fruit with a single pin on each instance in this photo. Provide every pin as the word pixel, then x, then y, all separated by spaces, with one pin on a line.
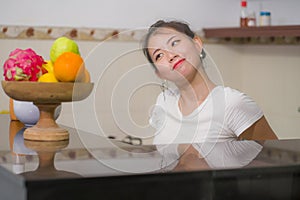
pixel 23 65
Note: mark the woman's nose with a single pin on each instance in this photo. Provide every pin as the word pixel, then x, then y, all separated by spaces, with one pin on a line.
pixel 172 56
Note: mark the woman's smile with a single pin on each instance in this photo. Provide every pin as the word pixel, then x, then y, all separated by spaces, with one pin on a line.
pixel 178 63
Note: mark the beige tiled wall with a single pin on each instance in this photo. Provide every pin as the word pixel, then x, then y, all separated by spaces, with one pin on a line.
pixel 271 76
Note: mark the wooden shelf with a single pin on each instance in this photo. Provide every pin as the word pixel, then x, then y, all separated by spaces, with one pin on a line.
pixel 265 34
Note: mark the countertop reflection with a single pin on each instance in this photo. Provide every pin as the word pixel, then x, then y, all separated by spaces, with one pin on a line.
pixel 122 157
pixel 89 155
pixel 46 153
pixel 89 164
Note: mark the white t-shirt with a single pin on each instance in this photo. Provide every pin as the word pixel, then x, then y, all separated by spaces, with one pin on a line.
pixel 212 128
pixel 223 115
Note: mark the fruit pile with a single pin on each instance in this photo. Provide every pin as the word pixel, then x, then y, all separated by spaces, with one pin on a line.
pixel 23 65
pixel 65 64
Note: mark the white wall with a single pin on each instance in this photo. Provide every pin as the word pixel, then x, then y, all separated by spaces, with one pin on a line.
pixel 267 73
pixel 139 13
pixel 270 74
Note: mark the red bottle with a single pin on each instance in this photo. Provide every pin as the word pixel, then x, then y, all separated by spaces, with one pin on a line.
pixel 244 15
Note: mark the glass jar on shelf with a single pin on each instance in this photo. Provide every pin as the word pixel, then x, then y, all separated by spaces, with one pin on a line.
pixel 251 19
pixel 265 18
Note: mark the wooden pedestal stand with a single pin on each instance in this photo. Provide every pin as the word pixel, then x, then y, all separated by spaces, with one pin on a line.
pixel 46 128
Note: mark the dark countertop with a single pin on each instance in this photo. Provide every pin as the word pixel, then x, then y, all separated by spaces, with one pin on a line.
pixel 90 166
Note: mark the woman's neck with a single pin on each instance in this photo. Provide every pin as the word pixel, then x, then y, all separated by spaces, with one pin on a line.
pixel 194 92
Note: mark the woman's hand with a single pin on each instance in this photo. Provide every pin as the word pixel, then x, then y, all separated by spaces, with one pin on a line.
pixel 190 159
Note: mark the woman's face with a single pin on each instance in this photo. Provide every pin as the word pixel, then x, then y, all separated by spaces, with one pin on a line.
pixel 175 55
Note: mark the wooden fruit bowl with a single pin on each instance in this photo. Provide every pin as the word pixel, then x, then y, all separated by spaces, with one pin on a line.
pixel 46 96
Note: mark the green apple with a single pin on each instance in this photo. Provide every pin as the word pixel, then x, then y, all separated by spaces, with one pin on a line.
pixel 61 45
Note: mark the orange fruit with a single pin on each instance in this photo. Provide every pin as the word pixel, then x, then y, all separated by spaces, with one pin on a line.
pixel 86 77
pixel 11 110
pixel 68 67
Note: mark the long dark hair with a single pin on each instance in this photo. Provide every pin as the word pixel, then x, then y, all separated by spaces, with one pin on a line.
pixel 178 26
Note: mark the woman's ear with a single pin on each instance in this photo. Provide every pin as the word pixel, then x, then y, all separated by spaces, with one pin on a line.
pixel 198 43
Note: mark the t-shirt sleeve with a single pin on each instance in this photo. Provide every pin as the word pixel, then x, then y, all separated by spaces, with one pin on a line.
pixel 241 112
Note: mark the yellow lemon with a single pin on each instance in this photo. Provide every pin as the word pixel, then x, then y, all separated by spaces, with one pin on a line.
pixel 48 66
pixel 48 77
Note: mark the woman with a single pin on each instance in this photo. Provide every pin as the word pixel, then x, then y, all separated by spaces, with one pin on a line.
pixel 197 110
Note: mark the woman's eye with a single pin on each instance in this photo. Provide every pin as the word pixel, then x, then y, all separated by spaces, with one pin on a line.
pixel 175 42
pixel 158 56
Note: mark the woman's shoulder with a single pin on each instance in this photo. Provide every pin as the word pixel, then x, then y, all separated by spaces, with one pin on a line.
pixel 229 94
pixel 234 94
pixel 238 99
pixel 233 91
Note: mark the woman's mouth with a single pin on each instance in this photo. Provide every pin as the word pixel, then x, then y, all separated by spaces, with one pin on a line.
pixel 177 64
